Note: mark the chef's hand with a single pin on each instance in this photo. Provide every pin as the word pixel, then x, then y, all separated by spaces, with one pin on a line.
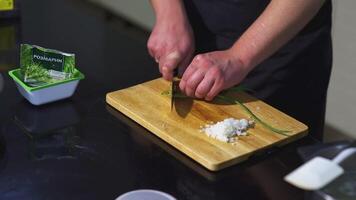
pixel 212 72
pixel 171 42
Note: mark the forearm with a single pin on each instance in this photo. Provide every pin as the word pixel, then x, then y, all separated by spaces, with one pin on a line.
pixel 279 23
pixel 171 42
pixel 169 10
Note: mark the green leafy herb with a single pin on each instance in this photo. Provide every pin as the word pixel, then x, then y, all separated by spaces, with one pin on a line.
pixel 41 66
pixel 35 73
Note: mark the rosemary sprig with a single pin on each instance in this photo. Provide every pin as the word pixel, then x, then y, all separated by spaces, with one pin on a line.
pixel 224 97
pixel 38 73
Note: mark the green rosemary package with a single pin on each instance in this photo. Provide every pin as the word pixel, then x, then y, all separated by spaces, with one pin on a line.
pixel 41 66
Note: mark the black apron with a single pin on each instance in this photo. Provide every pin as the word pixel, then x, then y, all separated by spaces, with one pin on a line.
pixel 294 79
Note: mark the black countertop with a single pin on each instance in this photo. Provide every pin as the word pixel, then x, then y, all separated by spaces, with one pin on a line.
pixel 81 148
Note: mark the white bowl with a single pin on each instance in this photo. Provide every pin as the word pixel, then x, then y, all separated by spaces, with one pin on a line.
pixel 46 93
pixel 145 195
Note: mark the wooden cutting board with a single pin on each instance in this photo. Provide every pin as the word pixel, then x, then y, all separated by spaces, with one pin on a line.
pixel 145 104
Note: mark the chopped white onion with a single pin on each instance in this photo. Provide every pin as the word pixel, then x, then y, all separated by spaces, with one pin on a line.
pixel 228 129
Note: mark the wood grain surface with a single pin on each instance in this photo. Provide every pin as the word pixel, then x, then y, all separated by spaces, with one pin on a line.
pixel 145 104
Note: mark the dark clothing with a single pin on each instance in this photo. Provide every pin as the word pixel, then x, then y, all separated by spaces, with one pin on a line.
pixel 294 79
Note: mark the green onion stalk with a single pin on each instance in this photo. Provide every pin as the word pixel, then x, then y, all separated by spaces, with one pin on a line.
pixel 222 96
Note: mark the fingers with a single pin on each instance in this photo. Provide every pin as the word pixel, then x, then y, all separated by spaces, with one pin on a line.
pixel 152 48
pixel 183 65
pixel 193 82
pixel 204 87
pixel 188 73
pixel 168 63
pixel 217 87
pixel 155 50
pixel 193 75
pixel 202 79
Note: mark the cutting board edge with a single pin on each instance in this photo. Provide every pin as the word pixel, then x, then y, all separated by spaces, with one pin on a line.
pixel 293 138
pixel 246 156
pixel 213 166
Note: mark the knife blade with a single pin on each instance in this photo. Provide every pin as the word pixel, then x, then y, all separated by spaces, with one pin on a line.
pixel 174 87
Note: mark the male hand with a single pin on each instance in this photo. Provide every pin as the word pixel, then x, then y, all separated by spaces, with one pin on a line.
pixel 212 72
pixel 171 44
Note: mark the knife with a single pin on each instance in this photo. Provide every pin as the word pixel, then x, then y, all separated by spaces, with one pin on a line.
pixel 174 87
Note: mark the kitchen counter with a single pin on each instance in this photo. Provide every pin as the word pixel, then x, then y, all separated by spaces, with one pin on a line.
pixel 81 148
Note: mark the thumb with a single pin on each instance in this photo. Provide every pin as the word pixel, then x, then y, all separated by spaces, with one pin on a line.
pixel 168 64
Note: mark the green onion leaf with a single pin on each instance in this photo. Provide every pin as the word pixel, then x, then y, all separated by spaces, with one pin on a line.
pixel 227 99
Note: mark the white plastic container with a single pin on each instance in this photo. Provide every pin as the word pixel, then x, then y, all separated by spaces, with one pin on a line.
pixel 46 93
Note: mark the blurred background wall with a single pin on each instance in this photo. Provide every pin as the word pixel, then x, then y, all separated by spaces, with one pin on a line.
pixel 341 113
